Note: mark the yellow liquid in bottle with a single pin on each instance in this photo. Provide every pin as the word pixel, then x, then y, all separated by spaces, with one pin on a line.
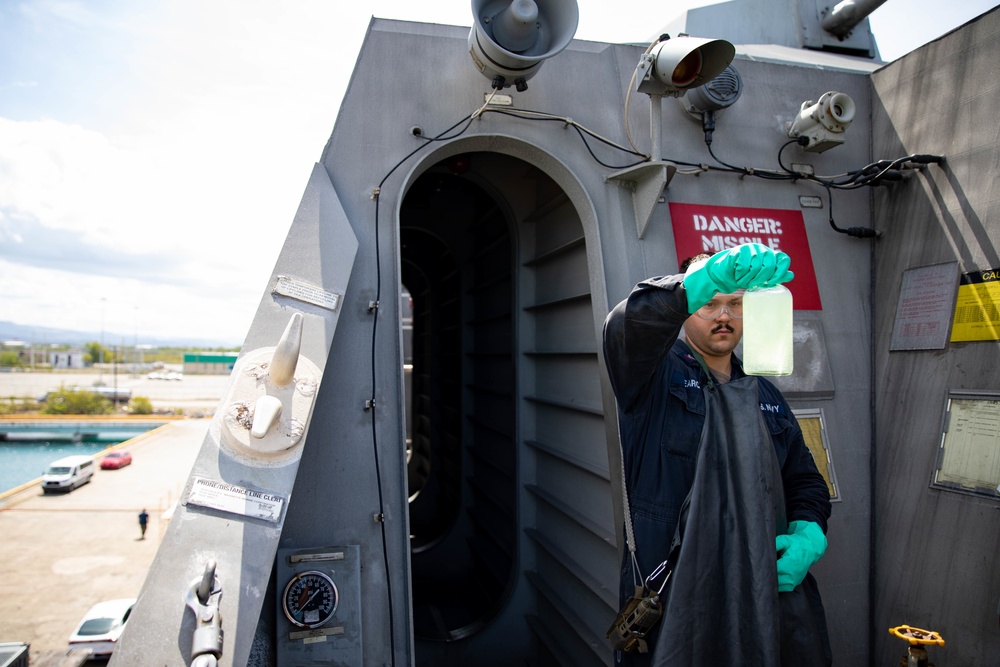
pixel 767 331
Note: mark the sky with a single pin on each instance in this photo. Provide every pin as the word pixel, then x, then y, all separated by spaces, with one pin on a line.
pixel 153 153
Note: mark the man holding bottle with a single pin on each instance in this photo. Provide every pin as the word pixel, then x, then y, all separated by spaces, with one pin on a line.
pixel 738 523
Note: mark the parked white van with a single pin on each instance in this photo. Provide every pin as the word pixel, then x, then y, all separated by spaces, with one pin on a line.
pixel 68 473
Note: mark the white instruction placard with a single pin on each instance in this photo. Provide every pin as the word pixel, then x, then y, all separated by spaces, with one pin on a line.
pixel 303 291
pixel 235 499
pixel 971 456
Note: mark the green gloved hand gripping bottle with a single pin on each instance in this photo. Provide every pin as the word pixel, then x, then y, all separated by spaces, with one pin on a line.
pixel 743 267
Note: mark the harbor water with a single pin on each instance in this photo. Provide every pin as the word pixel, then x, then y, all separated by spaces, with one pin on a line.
pixel 25 460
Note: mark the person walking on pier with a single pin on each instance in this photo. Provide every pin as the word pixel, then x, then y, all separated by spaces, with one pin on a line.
pixel 143 520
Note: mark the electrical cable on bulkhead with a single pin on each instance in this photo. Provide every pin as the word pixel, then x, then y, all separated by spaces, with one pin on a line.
pixel 380 516
pixel 628 98
pixel 374 309
pixel 527 114
pixel 870 175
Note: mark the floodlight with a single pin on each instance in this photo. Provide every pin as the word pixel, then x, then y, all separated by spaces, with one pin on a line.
pixel 823 123
pixel 673 66
pixel 510 39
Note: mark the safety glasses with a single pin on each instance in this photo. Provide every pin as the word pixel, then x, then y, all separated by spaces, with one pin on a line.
pixel 713 309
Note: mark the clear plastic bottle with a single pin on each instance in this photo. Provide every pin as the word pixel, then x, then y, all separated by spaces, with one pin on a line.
pixel 767 331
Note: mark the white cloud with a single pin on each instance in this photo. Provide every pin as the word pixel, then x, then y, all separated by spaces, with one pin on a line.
pixel 127 308
pixel 65 177
pixel 185 202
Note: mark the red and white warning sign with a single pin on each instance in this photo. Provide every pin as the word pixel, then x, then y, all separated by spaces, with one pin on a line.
pixel 706 228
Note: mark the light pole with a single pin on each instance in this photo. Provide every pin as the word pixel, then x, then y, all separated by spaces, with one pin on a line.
pixel 135 342
pixel 100 352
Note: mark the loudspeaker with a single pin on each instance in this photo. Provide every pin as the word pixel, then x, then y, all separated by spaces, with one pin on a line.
pixel 823 122
pixel 718 94
pixel 510 39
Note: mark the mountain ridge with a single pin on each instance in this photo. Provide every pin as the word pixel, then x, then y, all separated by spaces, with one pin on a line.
pixel 39 335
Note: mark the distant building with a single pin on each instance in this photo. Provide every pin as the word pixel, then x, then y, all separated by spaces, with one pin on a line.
pixel 72 358
pixel 220 363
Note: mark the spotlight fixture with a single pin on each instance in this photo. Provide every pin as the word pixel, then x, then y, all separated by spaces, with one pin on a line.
pixel 673 66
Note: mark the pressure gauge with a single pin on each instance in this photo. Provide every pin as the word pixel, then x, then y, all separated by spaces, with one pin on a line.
pixel 310 599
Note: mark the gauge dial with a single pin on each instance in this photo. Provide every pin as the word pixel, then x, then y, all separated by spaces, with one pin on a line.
pixel 310 599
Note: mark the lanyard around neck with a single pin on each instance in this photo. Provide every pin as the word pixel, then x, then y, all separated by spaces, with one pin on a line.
pixel 704 367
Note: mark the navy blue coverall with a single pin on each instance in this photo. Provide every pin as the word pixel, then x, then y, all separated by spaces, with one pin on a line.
pixel 661 411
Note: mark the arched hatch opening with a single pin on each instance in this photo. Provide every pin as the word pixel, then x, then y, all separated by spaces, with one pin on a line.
pixel 513 552
pixel 456 263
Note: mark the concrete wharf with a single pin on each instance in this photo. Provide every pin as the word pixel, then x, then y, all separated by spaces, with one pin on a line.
pixel 62 553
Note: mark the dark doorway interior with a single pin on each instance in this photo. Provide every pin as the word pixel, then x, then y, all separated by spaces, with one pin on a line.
pixel 457 255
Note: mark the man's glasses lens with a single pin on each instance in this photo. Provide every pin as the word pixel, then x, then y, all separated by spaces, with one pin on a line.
pixel 711 310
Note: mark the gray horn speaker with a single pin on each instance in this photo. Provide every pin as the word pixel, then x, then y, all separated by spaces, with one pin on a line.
pixel 510 39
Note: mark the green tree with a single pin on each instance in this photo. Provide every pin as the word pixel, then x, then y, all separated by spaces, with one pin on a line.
pixel 10 359
pixel 93 353
pixel 76 402
pixel 140 405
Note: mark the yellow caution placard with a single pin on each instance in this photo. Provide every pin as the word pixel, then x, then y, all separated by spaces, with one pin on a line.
pixel 977 308
pixel 815 436
pixel 812 433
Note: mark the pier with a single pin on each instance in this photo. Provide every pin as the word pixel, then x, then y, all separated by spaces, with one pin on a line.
pixel 83 547
pixel 75 428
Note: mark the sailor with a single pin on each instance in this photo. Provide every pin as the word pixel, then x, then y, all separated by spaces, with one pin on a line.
pixel 659 382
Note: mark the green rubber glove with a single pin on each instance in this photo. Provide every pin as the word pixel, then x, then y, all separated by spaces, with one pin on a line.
pixel 742 267
pixel 797 551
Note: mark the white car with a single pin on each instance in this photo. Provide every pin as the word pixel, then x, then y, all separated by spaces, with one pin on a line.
pixel 102 626
pixel 68 473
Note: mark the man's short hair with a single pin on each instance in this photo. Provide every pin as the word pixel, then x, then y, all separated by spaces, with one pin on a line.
pixel 691 260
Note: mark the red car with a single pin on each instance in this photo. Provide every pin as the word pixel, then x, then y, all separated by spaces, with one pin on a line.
pixel 116 460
